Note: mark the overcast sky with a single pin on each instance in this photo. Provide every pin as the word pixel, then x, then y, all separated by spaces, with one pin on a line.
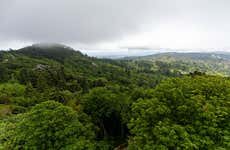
pixel 115 24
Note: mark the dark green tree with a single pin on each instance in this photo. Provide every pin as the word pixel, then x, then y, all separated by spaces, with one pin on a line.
pixel 106 106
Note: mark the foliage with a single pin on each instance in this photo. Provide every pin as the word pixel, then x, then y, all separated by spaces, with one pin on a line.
pixel 184 63
pixel 107 104
pixel 49 125
pixel 187 113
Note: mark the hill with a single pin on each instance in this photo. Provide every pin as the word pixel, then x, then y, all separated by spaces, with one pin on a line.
pixel 190 56
pixel 50 59
pixel 51 51
pixel 43 72
pixel 54 97
pixel 210 63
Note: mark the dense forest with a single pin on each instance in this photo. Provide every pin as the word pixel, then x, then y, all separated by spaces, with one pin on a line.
pixel 56 98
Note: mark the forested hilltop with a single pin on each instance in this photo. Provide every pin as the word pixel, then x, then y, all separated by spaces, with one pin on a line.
pixel 215 63
pixel 53 97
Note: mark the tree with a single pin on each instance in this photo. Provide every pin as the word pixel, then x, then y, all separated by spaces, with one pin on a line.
pixel 41 84
pixel 48 125
pixel 106 106
pixel 183 113
pixel 3 73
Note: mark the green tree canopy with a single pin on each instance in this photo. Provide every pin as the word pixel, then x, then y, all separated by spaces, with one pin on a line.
pixel 183 113
pixel 48 125
pixel 106 106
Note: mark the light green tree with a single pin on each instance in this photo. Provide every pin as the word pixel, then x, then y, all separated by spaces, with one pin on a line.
pixel 48 125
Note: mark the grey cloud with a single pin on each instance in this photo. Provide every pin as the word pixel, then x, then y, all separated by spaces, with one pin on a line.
pixel 86 21
pixel 94 21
